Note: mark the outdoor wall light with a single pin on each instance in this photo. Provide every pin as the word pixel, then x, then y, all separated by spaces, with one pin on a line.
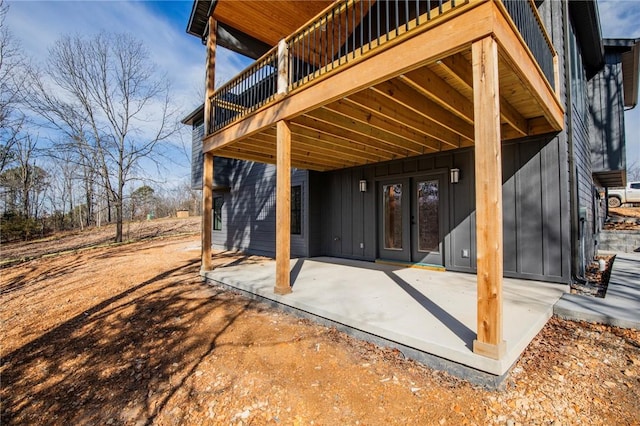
pixel 363 186
pixel 455 175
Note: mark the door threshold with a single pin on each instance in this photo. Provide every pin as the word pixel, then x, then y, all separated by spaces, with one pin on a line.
pixel 403 264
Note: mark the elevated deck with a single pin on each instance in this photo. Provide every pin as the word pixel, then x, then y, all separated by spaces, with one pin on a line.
pixel 357 89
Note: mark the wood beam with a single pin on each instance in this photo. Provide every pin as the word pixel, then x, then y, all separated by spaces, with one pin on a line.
pixel 459 68
pixel 399 135
pixel 207 211
pixel 525 66
pixel 315 129
pixel 311 146
pixel 283 209
pixel 369 144
pixel 210 79
pixel 430 84
pixel 260 144
pixel 406 95
pixel 250 155
pixel 488 168
pixel 391 110
pixel 345 122
pixel 348 148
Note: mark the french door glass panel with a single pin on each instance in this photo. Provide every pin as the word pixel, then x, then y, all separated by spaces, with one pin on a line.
pixel 428 200
pixel 392 220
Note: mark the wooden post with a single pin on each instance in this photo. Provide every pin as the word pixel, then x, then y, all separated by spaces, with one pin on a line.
pixel 207 167
pixel 488 168
pixel 556 75
pixel 210 79
pixel 207 210
pixel 283 208
pixel 283 68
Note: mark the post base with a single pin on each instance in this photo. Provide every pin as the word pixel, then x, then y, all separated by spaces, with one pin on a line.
pixel 282 290
pixel 489 350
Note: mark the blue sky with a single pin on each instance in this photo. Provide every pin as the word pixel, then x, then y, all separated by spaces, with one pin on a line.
pixel 161 26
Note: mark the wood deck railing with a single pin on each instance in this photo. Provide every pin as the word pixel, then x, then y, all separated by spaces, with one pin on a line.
pixel 341 34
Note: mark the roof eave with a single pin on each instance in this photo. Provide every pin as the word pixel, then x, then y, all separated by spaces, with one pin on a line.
pixel 194 116
pixel 586 21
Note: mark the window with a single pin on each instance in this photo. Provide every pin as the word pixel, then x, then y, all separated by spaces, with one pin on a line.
pixel 635 186
pixel 296 210
pixel 217 213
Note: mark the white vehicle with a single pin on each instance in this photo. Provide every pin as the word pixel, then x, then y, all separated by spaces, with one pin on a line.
pixel 628 194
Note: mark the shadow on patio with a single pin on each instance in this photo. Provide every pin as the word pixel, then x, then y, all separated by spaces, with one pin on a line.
pixel 428 315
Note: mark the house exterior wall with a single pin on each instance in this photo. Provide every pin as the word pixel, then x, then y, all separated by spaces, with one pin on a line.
pixel 535 244
pixel 606 109
pixel 248 192
pixel 587 204
pixel 197 133
pixel 339 220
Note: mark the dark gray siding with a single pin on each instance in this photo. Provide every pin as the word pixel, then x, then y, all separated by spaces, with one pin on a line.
pixel 606 128
pixel 248 213
pixel 535 241
pixel 196 155
pixel 586 202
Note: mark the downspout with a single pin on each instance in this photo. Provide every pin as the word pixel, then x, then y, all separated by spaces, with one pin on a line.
pixel 577 251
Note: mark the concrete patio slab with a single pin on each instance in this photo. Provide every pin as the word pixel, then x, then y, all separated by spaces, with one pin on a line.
pixel 428 312
pixel 621 305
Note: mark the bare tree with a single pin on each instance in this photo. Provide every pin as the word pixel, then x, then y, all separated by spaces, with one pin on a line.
pixel 12 67
pixel 102 93
pixel 633 171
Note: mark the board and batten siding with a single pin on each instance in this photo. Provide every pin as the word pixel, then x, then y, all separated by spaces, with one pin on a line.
pixel 606 126
pixel 535 215
pixel 248 191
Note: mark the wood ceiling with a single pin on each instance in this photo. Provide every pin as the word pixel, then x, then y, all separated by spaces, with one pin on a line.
pixel 268 21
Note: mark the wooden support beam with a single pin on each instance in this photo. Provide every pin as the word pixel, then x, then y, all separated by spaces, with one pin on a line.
pixel 396 135
pixel 460 69
pixel 488 168
pixel 321 121
pixel 404 146
pixel 283 68
pixel 261 144
pixel 430 84
pixel 312 148
pixel 350 149
pixel 210 78
pixel 521 60
pixel 405 95
pixel 394 111
pixel 283 208
pixel 207 211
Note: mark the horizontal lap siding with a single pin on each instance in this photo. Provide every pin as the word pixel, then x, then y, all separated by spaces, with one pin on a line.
pixel 197 134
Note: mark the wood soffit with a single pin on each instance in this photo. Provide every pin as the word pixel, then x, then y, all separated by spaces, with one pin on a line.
pixel 267 21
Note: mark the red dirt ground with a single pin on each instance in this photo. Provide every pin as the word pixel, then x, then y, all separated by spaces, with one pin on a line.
pixel 130 335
